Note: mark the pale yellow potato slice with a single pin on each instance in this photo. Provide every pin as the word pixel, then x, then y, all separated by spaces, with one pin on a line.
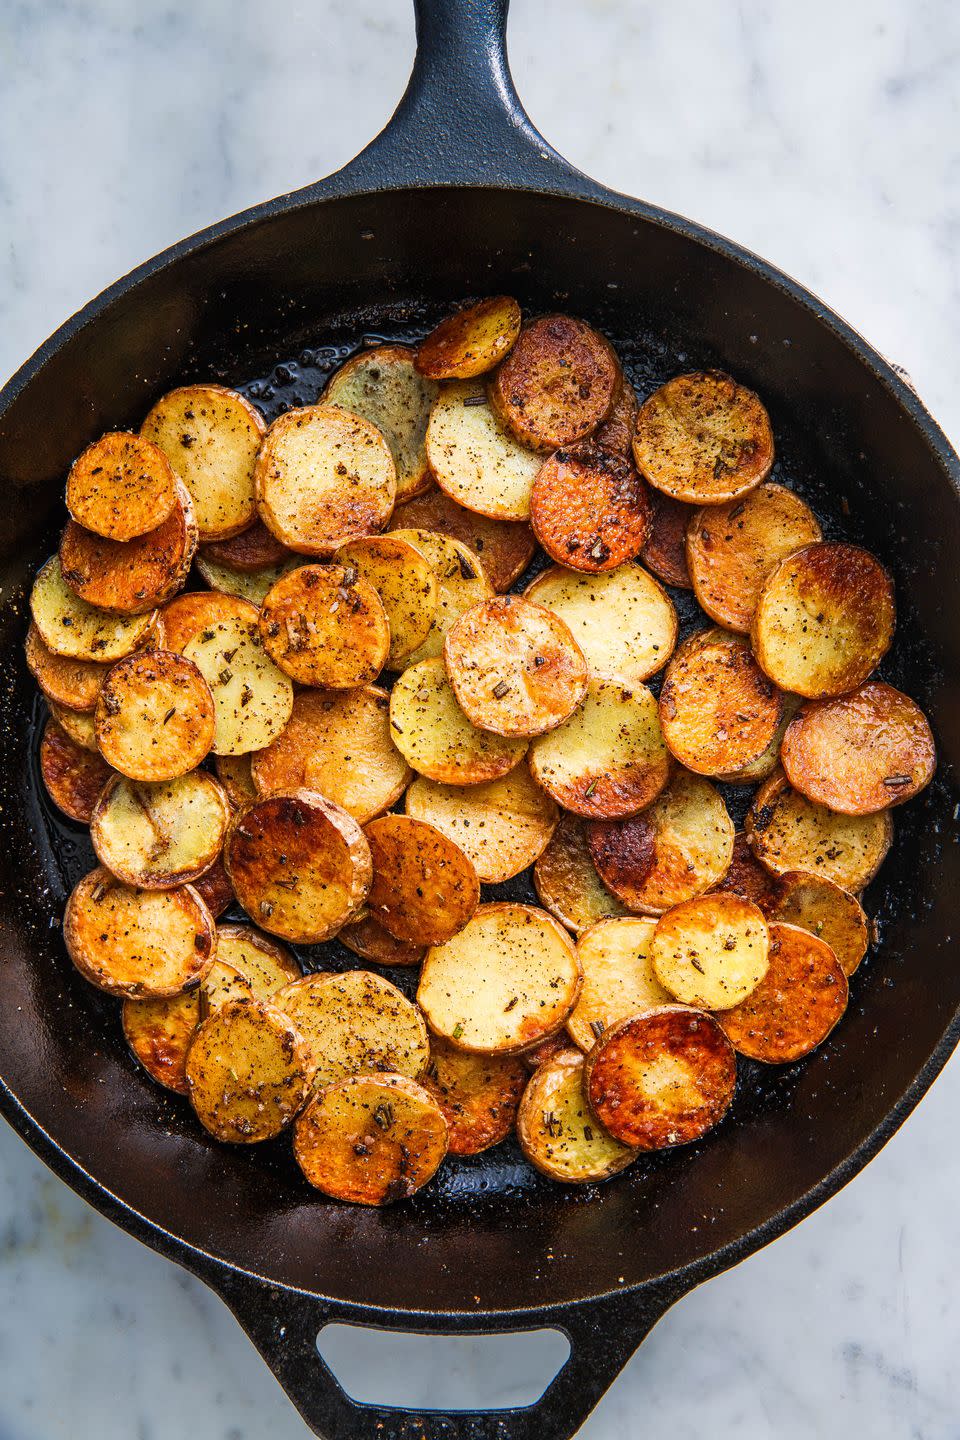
pixel 461 583
pixel 325 625
pixel 247 1072
pixel 618 978
pixel 478 1094
pixel 789 832
pixel 160 1033
pixel 78 725
pixel 470 341
pixel 355 1023
pixel 250 585
pixel 567 882
pixel 623 620
pixel 252 697
pixel 718 710
pixel 69 626
pixel 711 952
pixel 162 834
pixel 827 911
pixel 265 965
pixel 155 717
pixel 557 1131
pixel 431 731
pixel 121 486
pixel 475 459
pixel 221 984
pixel 703 438
pixel 406 584
pixel 502 825
pixel 385 387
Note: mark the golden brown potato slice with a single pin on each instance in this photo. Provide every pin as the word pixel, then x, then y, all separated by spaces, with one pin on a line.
pixel 567 882
pixel 298 864
pixel 661 1079
pixel 478 1094
pixel 703 438
pixel 557 1132
pixel 795 1006
pixel 250 585
pixel 266 966
pixel 623 621
pixel 431 731
pixel 711 952
pixel 77 725
pixel 470 341
pixel 718 710
pixel 155 836
pixel 747 877
pixel 665 551
pixel 557 384
pixel 138 943
pixel 325 625
pixel 74 684
pixel 732 548
pixel 214 889
pixel 824 620
pixel 70 627
pixel 615 434
pixel 424 888
pixel 121 486
pixel 189 615
pixel 155 716
pixel 221 984
pixel 160 1033
pixel 354 1023
pixel 253 550
pixel 405 582
pixel 252 697
pixel 235 775
pixel 862 752
pixel 509 979
pixel 385 387
pixel 128 577
pixel 677 848
pixel 618 978
pixel 247 1072
pixel 211 436
pixel 475 459
pixel 789 832
pixel 830 913
pixel 73 776
pixel 371 1139
pixel 589 509
pixel 502 825
pixel 461 583
pixel 768 760
pixel 367 938
pixel 504 547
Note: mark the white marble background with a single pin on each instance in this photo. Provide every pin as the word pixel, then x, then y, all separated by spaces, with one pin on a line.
pixel 823 135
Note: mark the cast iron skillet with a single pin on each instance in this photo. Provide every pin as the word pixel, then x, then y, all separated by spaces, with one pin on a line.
pixel 460 196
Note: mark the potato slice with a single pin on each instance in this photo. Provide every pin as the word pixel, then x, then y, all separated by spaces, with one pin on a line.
pixel 475 459
pixel 211 436
pixel 77 725
pixel 252 551
pixel 385 387
pixel 266 966
pixel 557 1132
pixel 155 716
pixel 424 888
pixel 431 731
pixel 337 742
pixel 768 760
pixel 796 1005
pixel 235 775
pixel 461 583
pixel 718 710
pixel 214 889
pixel 703 438
pixel 478 1094
pixel 250 585
pixel 189 615
pixel 824 620
pixel 618 978
pixel 406 583
pixel 470 341
pixel 677 848
pixel 75 684
pixel 557 384
pixel 160 1033
pixel 155 836
pixel 509 979
pixel 252 697
pixel 830 913
pixel 505 547
pixel 325 625
pixel 298 864
pixel 371 1139
pixel 747 877
pixel 589 509
pixel 712 951
pixel 789 832
pixel 221 984
pixel 732 548
pixel 367 938
pixel 354 1023
pixel 660 1079
pixel 665 551
pixel 623 621
pixel 69 626
pixel 247 1072
pixel 514 666
pixel 609 759
pixel 545 1051
pixel 615 434
pixel 73 776
pixel 502 825
pixel 138 943
pixel 862 752
pixel 121 486
pixel 324 476
pixel 567 882
pixel 128 577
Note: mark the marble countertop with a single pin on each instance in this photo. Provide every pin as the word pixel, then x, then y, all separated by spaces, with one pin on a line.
pixel 824 136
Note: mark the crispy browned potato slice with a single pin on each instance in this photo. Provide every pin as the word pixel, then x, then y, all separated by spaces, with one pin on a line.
pixel 470 341
pixel 623 621
pixel 128 577
pixel 367 938
pixel 732 548
pixel 665 552
pixel 371 1139
pixel 160 1033
pixel 478 1094
pixel 235 775
pixel 324 476
pixel 155 836
pixel 77 725
pixel 508 979
pixel 475 459
pixel 385 387
pixel 824 620
pixel 557 384
pixel 121 486
pixel 514 666
pixel 431 731
pixel 567 882
pixel 461 583
pixel 247 1072
pixel 796 1005
pixel 718 710
pixel 266 966
pixel 502 825
pixel 211 436
pixel 557 1132
pixel 504 547
pixel 546 1050
pixel 189 615
pixel 424 888
pixel 703 438
pixel 74 684
pixel 252 697
pixel 618 978
pixel 325 625
pixel 677 848
pixel 155 716
pixel 768 760
pixel 298 864
pixel 70 627
pixel 254 549
pixel 138 943
pixel 615 434
pixel 862 752
pixel 337 742
pixel 250 585
pixel 589 508
pixel 711 952
pixel 214 889
pixel 221 984
pixel 73 776
pixel 747 877
pixel 827 911
pixel 662 1078
pixel 406 583
pixel 789 832
pixel 355 1022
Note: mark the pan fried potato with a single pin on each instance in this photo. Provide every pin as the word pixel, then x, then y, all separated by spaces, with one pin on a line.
pixel 250 585
pixel 557 1132
pixel 121 486
pixel 424 888
pixel 252 551
pixel 478 1094
pixel 732 548
pixel 609 759
pixel 247 1072
pixel 470 341
pixel 718 710
pixel 189 615
pixel 367 938
pixel 337 742
pixel 70 627
pixel 266 966
pixel 862 752
pixel 557 384
pixel 795 1006
pixel 665 551
pixel 618 978
pixel 323 477
pixel 514 666
pixel 789 832
pixel 615 434
pixel 545 1050
pixel 623 621
pixel 509 979
pixel 155 716
pixel 824 620
pixel 677 848
pixel 703 438
pixel 502 825
pixel 768 760
pixel 371 1139
pixel 475 459
pixel 160 1033
pixel 138 944
pixel 567 882
pixel 355 1023
pixel 77 725
pixel 711 952
pixel 211 436
pixel 589 509
pixel 325 625
pixel 406 583
pixel 252 697
pixel 299 865
pixel 128 577
pixel 504 547
pixel 433 734
pixel 748 878
pixel 661 1079
pixel 221 984
pixel 235 775
pixel 385 387
pixel 461 583
pixel 72 775
pixel 830 913
pixel 74 684
pixel 156 836
pixel 214 889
